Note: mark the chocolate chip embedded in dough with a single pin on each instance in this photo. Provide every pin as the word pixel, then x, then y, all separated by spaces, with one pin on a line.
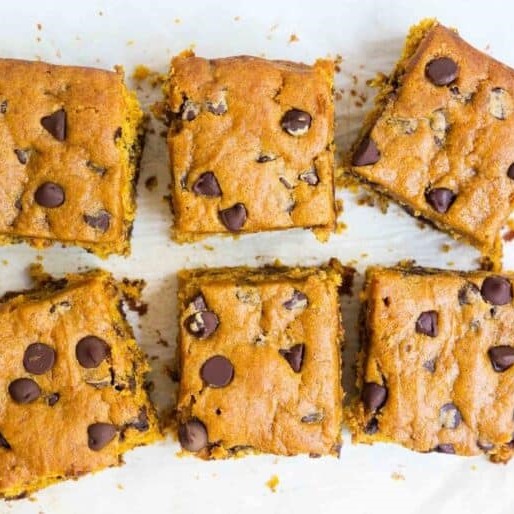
pixel 38 358
pixel 99 435
pixel 501 357
pixel 500 103
pixel 374 396
pixel 496 290
pixel 207 185
pixel 234 217
pixel 440 199
pixel 55 124
pixel 427 323
pixel 202 324
pixel 91 351
pixel 449 416
pixel 24 390
pixel 294 356
pixel 217 371
pixel 100 221
pixel 366 153
pixel 296 122
pixel 309 177
pixel 49 195
pixel 298 300
pixel 442 71
pixel 192 435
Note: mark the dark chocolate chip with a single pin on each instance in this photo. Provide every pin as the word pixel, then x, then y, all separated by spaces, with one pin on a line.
pixel 217 371
pixel 294 356
pixel 91 351
pixel 485 446
pixel 142 424
pixel 496 290
pixel 297 301
pixel 118 133
pixel 445 448
pixel 192 435
pixel 38 358
pixel 234 217
pixel 315 417
pixel 53 399
pixel 372 426
pixel 285 182
pixel 510 171
pixel 430 365
pixel 468 293
pixel 189 110
pixel 449 416
pixel 296 122
pixel 310 177
pixel 24 390
pixel 440 199
pixel 207 185
pixel 366 153
pixel 202 324
pixel 265 158
pixel 49 195
pixel 100 221
pixel 442 71
pixel 502 357
pixel 56 124
pixel 374 396
pixel 218 108
pixel 4 443
pixel 22 155
pixel 427 323
pixel 3 107
pixel 99 435
pixel 198 303
pixel 101 170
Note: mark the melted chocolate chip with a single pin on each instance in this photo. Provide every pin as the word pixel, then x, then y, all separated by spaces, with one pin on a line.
pixel 449 416
pixel 198 303
pixel 374 396
pixel 309 177
pixel 468 294
pixel 99 435
pixel 100 221
pixel 24 390
pixel 53 399
pixel 371 427
pixel 22 155
pixel 510 171
pixel 442 71
pixel 496 290
pixel 315 417
pixel 296 122
pixel 234 217
pixel 202 324
pixel 192 435
pixel 91 351
pixel 485 446
pixel 297 301
pixel 265 158
pixel 440 199
pixel 502 357
pixel 445 448
pixel 49 195
pixel 294 356
pixel 118 133
pixel 427 323
pixel 3 107
pixel 217 371
pixel 218 108
pixel 38 358
pixel 4 443
pixel 430 365
pixel 207 185
pixel 366 153
pixel 55 124
pixel 190 110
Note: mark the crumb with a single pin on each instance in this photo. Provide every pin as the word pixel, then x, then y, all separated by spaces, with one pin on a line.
pixel 293 38
pixel 364 255
pixel 39 257
pixel 508 236
pixel 421 224
pixel 100 13
pixel 445 248
pixel 341 227
pixel 396 475
pixel 136 306
pixel 149 385
pixel 237 18
pixel 358 103
pixel 355 79
pixel 163 133
pixel 209 248
pixel 38 39
pixel 154 357
pixel 273 27
pixel 474 467
pixel 130 42
pixel 5 262
pixel 58 54
pixel 39 26
pixel 450 263
pixel 141 72
pixel 338 96
pixel 337 68
pixel 272 483
pixel 177 21
pixel 353 92
pixel 338 59
pixel 120 487
pixel 151 183
pixel 163 342
pixel 366 199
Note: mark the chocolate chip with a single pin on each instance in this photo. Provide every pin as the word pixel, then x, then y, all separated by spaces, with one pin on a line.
pixel 56 124
pixel 315 417
pixel 285 182
pixel 218 108
pixel 430 365
pixel 500 103
pixel 202 324
pixel 101 170
pixel 248 296
pixel 310 177
pixel 374 396
pixel 91 351
pixel 297 301
pixel 440 198
pixel 4 443
pixel 207 185
pixel 100 221
pixel 441 71
pixel 496 290
pixel 234 217
pixel 427 323
pixel 22 155
pixel 49 195
pixel 371 427
pixel 461 97
pixel 198 303
pixel 38 358
pixel 3 107
pixel 502 357
pixel 294 356
pixel 445 448
pixel 366 153
pixel 192 435
pixel 265 158
pixel 99 435
pixel 217 371
pixel 449 416
pixel 439 125
pixel 53 399
pixel 142 424
pixel 296 122
pixel 118 133
pixel 510 171
pixel 189 110
pixel 24 390
pixel 485 446
pixel 468 294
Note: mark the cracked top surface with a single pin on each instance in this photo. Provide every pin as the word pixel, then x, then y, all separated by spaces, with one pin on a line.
pixel 457 137
pixel 281 331
pixel 73 128
pixel 45 420
pixel 264 130
pixel 439 346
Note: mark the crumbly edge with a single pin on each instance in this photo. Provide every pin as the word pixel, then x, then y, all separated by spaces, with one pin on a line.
pixel 130 146
pixel 45 287
pixel 334 271
pixel 355 416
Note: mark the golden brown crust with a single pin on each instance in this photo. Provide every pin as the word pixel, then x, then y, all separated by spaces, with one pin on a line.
pixel 459 137
pixel 47 439
pixel 95 161
pixel 251 95
pixel 443 393
pixel 261 410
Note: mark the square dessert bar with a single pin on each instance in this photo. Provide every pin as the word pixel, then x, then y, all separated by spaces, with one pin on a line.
pixel 70 141
pixel 260 360
pixel 251 145
pixel 441 138
pixel 436 368
pixel 71 376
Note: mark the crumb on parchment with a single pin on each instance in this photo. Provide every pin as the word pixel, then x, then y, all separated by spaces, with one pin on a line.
pixel 397 476
pixel 272 483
